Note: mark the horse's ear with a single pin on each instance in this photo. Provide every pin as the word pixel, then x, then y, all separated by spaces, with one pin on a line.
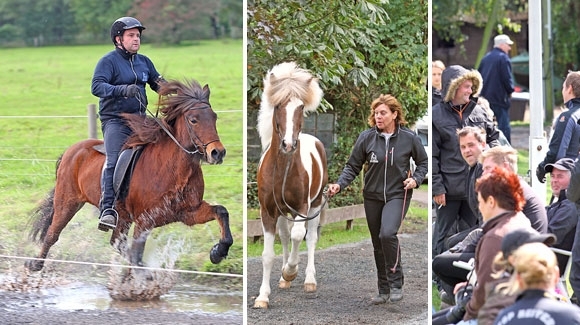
pixel 206 91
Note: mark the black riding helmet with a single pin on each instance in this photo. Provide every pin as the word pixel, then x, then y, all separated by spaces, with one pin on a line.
pixel 122 24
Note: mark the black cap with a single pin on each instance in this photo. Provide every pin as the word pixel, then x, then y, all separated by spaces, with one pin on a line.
pixel 562 164
pixel 516 238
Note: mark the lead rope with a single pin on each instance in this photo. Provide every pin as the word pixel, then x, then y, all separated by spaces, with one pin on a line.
pixel 393 269
pixel 292 210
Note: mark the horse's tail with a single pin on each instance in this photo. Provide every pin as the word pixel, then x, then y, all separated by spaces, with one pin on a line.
pixel 42 216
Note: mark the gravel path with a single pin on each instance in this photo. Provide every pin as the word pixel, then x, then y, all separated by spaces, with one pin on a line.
pixel 346 283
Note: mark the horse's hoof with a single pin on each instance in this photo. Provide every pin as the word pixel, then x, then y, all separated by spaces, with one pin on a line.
pixel 309 287
pixel 284 284
pixel 214 255
pixel 289 276
pixel 34 265
pixel 260 304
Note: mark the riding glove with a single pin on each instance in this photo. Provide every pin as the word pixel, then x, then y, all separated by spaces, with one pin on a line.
pixel 130 90
pixel 541 173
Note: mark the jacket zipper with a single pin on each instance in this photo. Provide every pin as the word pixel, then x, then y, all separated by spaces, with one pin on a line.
pixel 135 74
pixel 386 166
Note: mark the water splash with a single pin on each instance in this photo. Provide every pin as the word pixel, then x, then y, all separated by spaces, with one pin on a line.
pixel 139 284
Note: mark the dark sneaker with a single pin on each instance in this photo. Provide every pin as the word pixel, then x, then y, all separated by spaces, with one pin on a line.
pixel 107 221
pixel 396 294
pixel 380 299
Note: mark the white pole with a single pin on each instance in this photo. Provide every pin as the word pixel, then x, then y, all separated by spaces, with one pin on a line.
pixel 92 112
pixel 538 144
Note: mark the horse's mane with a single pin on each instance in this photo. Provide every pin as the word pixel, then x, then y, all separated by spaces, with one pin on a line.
pixel 282 82
pixel 174 99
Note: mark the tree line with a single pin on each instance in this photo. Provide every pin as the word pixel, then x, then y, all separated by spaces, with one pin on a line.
pixel 66 22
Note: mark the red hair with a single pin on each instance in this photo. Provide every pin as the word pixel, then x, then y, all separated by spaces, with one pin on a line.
pixel 504 186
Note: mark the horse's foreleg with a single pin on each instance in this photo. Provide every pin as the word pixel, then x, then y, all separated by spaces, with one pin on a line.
pixel 119 238
pixel 267 262
pixel 206 212
pixel 220 250
pixel 138 247
pixel 311 240
pixel 290 269
pixel 284 227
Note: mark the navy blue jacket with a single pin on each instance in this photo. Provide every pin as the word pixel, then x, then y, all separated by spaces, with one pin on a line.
pixel 538 307
pixel 496 71
pixel 565 142
pixel 113 73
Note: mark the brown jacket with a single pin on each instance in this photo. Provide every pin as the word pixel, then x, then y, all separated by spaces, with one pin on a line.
pixel 489 245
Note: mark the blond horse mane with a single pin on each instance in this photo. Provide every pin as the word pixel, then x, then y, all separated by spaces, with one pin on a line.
pixel 282 82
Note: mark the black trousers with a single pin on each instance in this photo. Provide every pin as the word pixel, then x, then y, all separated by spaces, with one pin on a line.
pixel 447 216
pixel 115 133
pixel 449 274
pixel 384 221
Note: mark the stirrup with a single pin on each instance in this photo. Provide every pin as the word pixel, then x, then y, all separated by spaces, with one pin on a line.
pixel 106 225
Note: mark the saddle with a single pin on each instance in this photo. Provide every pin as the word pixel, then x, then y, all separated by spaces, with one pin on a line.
pixel 123 169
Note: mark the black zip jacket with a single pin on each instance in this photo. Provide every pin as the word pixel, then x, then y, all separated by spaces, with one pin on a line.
pixel 450 171
pixel 387 163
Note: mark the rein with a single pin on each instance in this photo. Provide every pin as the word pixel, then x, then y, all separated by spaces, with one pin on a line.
pixel 292 210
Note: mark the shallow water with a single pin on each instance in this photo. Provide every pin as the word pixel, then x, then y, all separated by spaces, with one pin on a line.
pixel 183 297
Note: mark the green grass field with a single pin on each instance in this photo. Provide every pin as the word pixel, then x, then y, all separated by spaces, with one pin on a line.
pixel 43 111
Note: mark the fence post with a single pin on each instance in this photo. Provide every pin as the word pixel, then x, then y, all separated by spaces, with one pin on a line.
pixel 92 111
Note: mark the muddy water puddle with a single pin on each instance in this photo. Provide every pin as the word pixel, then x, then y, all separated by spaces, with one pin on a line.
pixel 183 297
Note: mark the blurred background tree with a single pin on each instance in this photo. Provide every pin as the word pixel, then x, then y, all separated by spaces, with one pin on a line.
pixel 358 49
pixel 64 22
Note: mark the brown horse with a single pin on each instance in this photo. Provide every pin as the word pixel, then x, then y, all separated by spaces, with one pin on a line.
pixel 292 174
pixel 167 184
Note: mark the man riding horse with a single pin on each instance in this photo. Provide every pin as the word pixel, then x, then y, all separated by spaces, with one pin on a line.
pixel 119 81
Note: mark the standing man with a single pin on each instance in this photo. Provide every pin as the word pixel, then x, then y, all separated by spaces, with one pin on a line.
pixel 119 81
pixel 498 85
pixel 565 142
pixel 458 109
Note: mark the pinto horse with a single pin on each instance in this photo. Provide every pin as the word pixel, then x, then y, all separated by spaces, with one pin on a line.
pixel 167 183
pixel 291 175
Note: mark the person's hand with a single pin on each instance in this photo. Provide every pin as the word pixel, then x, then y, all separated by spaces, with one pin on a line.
pixel 459 286
pixel 439 200
pixel 332 190
pixel 410 183
pixel 131 90
pixel 541 173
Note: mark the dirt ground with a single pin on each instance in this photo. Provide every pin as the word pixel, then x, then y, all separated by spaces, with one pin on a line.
pixel 346 282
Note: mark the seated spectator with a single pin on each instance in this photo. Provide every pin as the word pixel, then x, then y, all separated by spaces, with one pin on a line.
pixel 534 210
pixel 500 294
pixel 501 199
pixel 471 144
pixel 536 274
pixel 507 157
pixel 562 213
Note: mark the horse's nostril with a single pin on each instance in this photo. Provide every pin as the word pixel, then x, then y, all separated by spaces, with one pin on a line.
pixel 218 155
